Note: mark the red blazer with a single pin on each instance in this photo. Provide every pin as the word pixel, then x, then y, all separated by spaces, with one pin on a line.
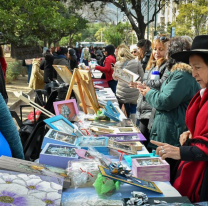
pixel 190 173
pixel 107 70
pixel 3 65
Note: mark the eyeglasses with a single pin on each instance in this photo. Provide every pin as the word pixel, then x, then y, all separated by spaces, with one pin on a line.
pixel 133 52
pixel 161 38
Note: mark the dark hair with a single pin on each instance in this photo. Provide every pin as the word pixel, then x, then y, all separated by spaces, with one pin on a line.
pixel 95 48
pixel 1 52
pixel 62 51
pixel 145 44
pixel 110 49
pixel 176 44
pixel 203 56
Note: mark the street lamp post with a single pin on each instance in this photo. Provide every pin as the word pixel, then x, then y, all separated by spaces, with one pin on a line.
pixel 155 32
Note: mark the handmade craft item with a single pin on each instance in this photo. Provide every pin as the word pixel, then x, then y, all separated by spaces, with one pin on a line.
pixel 61 124
pixel 67 109
pixel 138 198
pixel 152 169
pixel 125 75
pixel 25 189
pixel 26 98
pixel 138 145
pixel 63 72
pixel 129 158
pixel 23 166
pixel 128 137
pixel 57 155
pixel 83 173
pixel 130 180
pixel 122 147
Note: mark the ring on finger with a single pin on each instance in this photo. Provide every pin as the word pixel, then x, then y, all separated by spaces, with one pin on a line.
pixel 161 147
pixel 163 151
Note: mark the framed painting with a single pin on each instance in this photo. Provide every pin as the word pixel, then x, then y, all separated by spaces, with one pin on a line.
pixel 122 147
pixel 63 72
pixel 133 180
pixel 67 108
pixel 61 124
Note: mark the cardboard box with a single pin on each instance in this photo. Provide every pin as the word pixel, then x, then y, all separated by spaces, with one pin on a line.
pixel 56 160
pixel 160 171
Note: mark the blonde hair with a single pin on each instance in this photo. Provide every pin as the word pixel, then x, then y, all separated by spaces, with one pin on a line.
pixel 152 61
pixel 124 54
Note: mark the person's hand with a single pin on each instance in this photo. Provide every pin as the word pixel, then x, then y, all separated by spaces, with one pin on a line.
pixel 133 85
pixel 184 136
pixel 143 90
pixel 93 67
pixel 167 151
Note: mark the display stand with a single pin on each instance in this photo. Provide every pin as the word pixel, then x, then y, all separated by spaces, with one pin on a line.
pixel 63 72
pixel 85 85
pixel 25 98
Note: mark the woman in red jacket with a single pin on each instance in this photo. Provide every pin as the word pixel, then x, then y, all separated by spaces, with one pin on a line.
pixel 3 62
pixel 107 69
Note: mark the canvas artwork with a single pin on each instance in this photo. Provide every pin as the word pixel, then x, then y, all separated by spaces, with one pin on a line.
pixel 67 108
pixel 61 125
pixel 53 134
pixel 92 141
pixel 61 151
pixel 122 147
pixel 133 180
pixel 18 189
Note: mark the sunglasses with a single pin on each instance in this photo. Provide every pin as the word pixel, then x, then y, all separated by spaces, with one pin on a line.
pixel 161 38
pixel 133 52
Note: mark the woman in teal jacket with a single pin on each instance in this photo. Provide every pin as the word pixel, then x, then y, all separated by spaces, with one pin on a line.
pixel 173 98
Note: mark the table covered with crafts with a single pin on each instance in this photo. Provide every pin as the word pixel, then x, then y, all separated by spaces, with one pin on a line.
pixel 91 154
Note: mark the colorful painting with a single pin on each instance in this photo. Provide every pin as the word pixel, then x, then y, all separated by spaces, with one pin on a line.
pixel 67 109
pixel 18 189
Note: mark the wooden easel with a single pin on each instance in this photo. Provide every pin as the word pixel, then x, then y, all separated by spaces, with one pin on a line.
pixel 85 84
pixel 63 72
pixel 25 98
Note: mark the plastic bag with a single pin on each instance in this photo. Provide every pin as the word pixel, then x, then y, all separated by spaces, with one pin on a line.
pixel 105 187
pixel 83 173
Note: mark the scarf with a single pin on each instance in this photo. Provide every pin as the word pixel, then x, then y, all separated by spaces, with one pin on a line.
pixel 190 174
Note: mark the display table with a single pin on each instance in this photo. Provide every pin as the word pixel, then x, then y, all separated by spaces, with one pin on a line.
pixel 100 82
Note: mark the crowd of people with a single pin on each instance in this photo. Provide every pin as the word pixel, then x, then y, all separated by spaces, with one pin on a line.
pixel 168 102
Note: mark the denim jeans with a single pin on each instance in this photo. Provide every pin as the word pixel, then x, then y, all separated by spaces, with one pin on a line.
pixel 29 70
pixel 112 84
pixel 130 108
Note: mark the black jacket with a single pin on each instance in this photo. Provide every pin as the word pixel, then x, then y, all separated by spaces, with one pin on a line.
pixel 2 85
pixel 49 71
pixel 145 60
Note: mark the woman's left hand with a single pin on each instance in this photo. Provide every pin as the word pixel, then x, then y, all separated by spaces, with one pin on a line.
pixel 167 151
pixel 144 91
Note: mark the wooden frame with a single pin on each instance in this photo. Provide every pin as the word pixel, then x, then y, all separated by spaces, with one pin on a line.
pixel 72 108
pixel 26 98
pixel 85 85
pixel 122 147
pixel 63 72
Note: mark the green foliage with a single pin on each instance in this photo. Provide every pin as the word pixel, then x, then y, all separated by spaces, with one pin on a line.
pixel 192 18
pixel 14 69
pixel 28 21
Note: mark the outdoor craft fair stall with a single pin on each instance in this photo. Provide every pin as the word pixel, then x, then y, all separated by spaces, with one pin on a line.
pixel 91 154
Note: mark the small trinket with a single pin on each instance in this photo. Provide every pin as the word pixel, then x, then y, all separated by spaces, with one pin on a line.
pixel 157 201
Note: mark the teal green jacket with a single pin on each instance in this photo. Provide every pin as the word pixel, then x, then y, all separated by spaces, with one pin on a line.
pixel 171 103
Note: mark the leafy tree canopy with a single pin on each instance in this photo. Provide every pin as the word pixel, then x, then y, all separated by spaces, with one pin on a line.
pixel 28 21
